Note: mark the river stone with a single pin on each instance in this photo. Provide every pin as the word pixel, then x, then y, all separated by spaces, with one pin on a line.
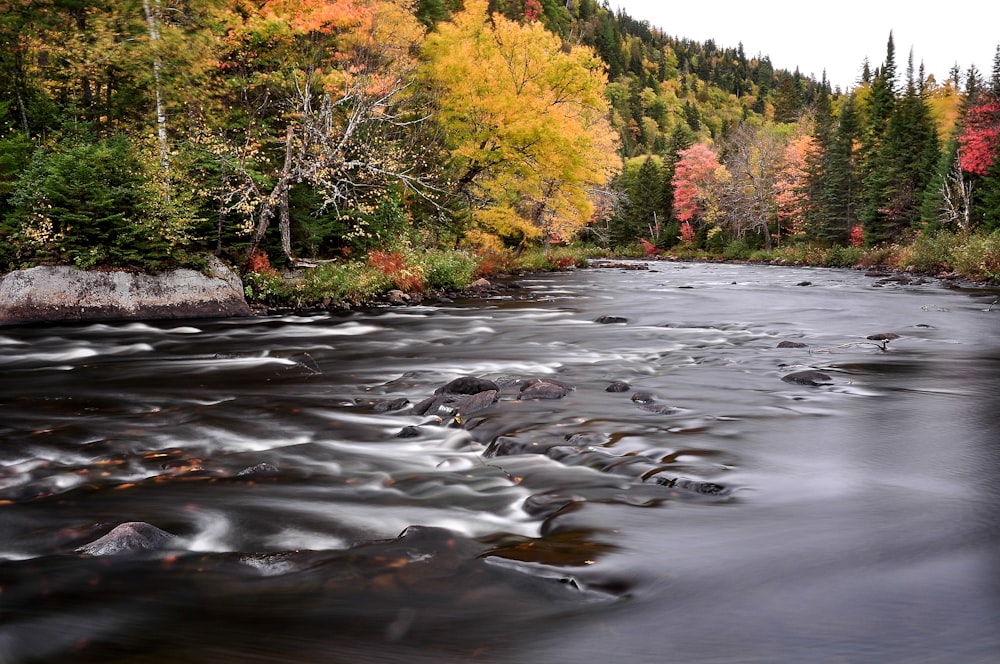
pixel 63 293
pixel 544 388
pixel 808 377
pixel 609 320
pixel 643 397
pixel 131 537
pixel 792 344
pixel 693 486
pixel 388 405
pixel 618 386
pixel 883 336
pixel 468 385
pixel 467 404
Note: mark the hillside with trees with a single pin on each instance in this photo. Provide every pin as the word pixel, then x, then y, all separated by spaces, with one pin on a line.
pixel 427 140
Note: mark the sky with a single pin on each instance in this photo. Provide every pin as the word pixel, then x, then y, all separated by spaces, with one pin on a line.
pixel 836 35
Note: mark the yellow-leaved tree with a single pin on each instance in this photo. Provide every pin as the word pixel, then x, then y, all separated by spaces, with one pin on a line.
pixel 526 123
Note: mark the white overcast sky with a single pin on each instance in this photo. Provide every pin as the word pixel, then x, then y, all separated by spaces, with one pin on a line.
pixel 836 35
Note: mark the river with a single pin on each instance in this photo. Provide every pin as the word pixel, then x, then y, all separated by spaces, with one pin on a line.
pixel 709 512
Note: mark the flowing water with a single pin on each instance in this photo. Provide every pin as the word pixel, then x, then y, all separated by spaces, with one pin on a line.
pixel 724 515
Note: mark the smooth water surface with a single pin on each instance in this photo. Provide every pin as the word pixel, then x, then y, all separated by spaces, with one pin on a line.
pixel 726 516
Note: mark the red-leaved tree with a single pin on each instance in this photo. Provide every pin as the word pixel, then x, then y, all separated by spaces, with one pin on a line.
pixel 978 142
pixel 694 175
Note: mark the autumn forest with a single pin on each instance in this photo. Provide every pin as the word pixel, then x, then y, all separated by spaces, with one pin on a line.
pixel 436 138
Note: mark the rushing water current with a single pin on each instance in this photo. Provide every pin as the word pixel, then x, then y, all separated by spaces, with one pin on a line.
pixel 709 512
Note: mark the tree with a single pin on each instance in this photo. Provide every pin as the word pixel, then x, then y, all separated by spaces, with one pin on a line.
pixel 526 123
pixel 905 163
pixel 748 196
pixel 324 88
pixel 695 174
pixel 793 184
pixel 646 209
pixel 836 206
pixel 876 113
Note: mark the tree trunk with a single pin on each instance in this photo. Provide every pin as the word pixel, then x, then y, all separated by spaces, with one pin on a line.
pixel 279 198
pixel 152 12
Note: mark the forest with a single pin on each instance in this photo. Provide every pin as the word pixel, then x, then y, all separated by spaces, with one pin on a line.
pixel 418 144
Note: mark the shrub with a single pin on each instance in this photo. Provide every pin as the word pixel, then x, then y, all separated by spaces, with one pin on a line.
pixel 448 270
pixel 400 272
pixel 931 251
pixel 737 250
pixel 265 287
pixel 492 263
pixel 551 258
pixel 838 256
pixel 882 255
pixel 979 257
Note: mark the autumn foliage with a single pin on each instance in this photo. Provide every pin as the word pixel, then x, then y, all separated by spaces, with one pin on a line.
pixel 393 264
pixel 980 139
pixel 693 177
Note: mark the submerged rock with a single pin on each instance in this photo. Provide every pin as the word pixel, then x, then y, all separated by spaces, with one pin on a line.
pixel 130 537
pixel 264 469
pixel 649 403
pixel 618 386
pixel 792 344
pixel 608 320
pixel 808 377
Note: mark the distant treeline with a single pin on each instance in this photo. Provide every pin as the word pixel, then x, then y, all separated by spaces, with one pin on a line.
pixel 144 133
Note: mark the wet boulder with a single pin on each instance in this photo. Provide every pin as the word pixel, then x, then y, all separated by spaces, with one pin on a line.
pixel 882 336
pixel 618 386
pixel 792 344
pixel 609 320
pixel 808 377
pixel 130 537
pixel 544 388
pixel 460 397
pixel 63 293
pixel 468 385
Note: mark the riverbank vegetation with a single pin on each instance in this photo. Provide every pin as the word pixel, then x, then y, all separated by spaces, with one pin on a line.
pixel 419 145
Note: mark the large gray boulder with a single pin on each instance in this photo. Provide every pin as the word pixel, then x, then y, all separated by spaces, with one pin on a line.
pixel 63 293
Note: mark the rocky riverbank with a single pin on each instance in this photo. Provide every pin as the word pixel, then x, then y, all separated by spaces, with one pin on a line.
pixel 66 294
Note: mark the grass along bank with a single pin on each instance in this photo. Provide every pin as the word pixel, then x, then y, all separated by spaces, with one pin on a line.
pixel 975 256
pixel 368 280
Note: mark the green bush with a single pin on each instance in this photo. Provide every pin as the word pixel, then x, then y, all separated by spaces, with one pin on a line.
pixel 539 259
pixel 448 270
pixel 737 250
pixel 931 252
pixel 979 257
pixel 838 256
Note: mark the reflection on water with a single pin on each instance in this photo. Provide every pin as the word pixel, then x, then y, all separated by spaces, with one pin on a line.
pixel 708 511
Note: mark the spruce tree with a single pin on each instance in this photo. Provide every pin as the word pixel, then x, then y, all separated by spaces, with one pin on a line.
pixel 839 197
pixel 905 162
pixel 877 113
pixel 822 134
